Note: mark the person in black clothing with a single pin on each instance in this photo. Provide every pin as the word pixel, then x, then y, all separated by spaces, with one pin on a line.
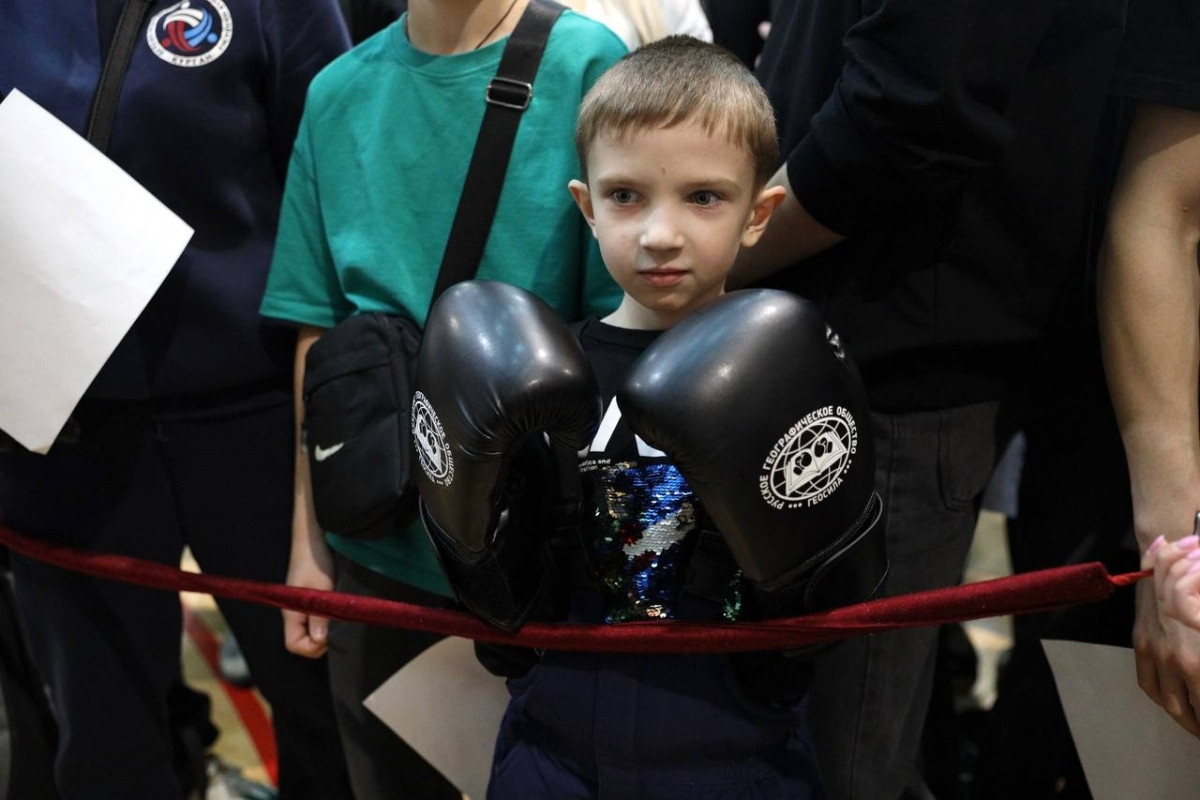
pixel 1076 504
pixel 936 162
pixel 184 437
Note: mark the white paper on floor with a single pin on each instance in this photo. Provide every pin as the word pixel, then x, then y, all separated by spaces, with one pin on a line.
pixel 1128 745
pixel 448 708
pixel 83 248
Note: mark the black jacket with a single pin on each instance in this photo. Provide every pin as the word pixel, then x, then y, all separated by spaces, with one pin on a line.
pixel 952 143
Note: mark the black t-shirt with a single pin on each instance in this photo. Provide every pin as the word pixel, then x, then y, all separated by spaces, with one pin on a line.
pixel 1160 54
pixel 641 521
pixel 649 548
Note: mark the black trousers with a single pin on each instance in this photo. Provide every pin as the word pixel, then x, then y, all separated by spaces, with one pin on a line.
pixel 361 658
pixel 145 481
pixel 871 694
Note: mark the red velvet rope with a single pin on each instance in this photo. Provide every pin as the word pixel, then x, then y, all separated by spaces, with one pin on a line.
pixel 1032 591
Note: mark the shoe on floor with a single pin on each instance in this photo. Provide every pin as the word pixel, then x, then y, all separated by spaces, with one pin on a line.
pixel 232 664
pixel 226 782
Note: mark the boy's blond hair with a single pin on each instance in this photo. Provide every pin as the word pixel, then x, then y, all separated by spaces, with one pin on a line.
pixel 675 80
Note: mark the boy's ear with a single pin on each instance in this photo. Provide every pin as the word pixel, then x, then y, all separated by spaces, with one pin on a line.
pixel 583 199
pixel 760 214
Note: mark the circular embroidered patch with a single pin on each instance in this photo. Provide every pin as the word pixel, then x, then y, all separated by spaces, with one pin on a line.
pixel 429 440
pixel 808 462
pixel 191 33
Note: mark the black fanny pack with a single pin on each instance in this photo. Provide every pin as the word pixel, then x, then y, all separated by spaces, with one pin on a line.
pixel 357 388
pixel 358 375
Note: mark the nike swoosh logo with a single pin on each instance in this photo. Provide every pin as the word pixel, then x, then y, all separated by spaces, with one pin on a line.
pixel 320 454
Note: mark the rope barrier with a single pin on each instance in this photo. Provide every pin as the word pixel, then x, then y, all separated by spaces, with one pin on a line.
pixel 1044 590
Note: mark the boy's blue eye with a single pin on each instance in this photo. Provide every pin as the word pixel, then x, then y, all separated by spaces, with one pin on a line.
pixel 623 196
pixel 706 198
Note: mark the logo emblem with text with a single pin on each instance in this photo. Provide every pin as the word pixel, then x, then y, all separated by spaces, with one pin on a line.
pixel 808 462
pixel 191 33
pixel 430 442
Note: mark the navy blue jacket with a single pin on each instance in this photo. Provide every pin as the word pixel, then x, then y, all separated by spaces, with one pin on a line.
pixel 210 135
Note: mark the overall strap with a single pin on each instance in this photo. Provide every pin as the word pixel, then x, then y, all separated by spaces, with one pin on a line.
pixel 112 77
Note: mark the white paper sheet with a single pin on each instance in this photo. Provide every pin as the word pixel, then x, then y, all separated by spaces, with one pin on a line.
pixel 448 708
pixel 83 248
pixel 1129 747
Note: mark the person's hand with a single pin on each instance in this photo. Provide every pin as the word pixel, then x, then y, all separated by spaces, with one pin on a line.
pixel 311 567
pixel 1177 579
pixel 1167 651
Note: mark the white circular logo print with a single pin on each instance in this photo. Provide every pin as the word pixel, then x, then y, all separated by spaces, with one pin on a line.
pixel 191 33
pixel 430 442
pixel 808 462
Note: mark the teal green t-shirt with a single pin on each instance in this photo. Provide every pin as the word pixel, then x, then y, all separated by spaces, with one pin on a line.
pixel 374 182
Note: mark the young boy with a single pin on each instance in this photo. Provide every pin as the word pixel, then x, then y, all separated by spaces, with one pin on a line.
pixel 676 141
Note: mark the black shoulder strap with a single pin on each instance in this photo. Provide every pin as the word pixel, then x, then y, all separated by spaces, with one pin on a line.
pixel 116 64
pixel 508 95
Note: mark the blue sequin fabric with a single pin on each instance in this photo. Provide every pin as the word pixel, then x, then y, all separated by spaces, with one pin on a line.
pixel 638 539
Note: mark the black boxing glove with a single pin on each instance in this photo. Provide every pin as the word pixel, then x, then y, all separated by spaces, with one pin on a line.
pixel 757 405
pixel 496 366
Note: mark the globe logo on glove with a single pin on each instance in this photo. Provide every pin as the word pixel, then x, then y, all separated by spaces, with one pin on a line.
pixel 808 462
pixel 429 440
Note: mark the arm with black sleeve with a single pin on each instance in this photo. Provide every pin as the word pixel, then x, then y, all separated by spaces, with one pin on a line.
pixel 754 401
pixel 919 107
pixel 496 369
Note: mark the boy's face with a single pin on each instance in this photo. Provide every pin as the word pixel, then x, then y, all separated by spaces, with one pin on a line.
pixel 670 208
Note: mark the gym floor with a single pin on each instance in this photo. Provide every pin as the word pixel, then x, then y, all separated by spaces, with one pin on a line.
pixel 242 715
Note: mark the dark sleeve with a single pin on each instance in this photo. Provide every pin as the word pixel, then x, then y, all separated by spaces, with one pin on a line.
pixel 302 36
pixel 919 106
pixel 1160 54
